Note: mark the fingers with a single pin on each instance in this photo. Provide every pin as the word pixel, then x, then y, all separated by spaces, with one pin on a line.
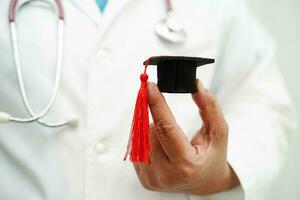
pixel 172 139
pixel 158 155
pixel 211 114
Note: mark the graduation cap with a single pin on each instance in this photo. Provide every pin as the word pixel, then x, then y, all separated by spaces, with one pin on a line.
pixel 175 74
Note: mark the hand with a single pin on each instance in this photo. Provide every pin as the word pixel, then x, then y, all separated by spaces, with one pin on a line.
pixel 197 167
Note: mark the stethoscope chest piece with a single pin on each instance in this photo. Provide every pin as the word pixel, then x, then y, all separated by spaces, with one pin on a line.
pixel 171 30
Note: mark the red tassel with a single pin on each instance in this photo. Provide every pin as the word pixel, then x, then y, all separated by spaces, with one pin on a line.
pixel 139 147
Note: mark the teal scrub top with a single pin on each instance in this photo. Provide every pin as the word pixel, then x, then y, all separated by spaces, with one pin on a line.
pixel 101 4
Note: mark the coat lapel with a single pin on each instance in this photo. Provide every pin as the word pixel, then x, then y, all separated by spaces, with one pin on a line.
pixel 90 9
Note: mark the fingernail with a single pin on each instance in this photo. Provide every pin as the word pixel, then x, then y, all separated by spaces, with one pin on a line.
pixel 200 86
pixel 152 87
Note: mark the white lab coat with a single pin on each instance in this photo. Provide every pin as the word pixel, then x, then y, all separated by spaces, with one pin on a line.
pixel 103 57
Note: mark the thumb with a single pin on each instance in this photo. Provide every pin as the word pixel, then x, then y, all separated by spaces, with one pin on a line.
pixel 214 124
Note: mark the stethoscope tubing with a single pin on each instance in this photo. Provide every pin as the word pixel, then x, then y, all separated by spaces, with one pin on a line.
pixel 37 117
pixel 13 4
pixel 5 117
pixel 169 6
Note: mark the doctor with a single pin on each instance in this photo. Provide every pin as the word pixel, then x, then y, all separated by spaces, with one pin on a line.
pixel 97 57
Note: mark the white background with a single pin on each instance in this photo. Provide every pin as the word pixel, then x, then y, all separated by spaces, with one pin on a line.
pixel 282 19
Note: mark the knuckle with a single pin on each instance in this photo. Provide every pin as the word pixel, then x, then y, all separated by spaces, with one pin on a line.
pixel 164 129
pixel 145 185
pixel 150 183
pixel 142 181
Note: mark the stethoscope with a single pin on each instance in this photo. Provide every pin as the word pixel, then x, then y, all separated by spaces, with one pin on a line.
pixel 6 117
pixel 168 29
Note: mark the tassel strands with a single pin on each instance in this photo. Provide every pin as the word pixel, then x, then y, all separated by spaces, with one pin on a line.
pixel 139 147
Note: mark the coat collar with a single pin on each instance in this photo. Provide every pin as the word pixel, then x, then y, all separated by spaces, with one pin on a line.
pixel 90 9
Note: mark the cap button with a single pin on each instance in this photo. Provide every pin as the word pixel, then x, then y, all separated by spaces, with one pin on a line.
pixel 144 77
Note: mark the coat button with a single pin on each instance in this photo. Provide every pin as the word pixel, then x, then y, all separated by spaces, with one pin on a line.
pixel 101 148
pixel 102 55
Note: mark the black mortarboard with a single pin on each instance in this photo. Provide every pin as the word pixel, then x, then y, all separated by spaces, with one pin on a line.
pixel 177 74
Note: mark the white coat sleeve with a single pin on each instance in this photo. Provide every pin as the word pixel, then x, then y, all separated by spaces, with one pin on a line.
pixel 255 103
